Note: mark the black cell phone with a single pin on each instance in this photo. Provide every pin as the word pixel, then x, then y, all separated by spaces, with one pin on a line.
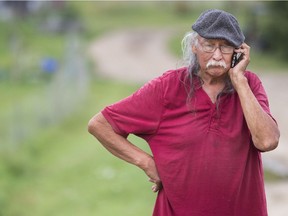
pixel 236 57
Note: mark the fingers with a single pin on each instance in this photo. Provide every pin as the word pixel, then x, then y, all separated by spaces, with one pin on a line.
pixel 157 185
pixel 244 48
pixel 237 73
pixel 156 188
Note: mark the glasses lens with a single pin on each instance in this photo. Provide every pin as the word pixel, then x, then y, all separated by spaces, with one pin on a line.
pixel 208 48
pixel 227 49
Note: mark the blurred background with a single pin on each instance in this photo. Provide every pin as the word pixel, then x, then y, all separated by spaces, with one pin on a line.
pixel 62 61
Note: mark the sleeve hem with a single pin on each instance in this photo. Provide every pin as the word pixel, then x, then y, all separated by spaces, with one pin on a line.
pixel 112 123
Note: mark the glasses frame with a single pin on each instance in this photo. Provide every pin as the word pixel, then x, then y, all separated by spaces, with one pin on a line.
pixel 213 48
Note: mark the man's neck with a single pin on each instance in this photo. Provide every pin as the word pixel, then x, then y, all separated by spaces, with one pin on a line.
pixel 213 81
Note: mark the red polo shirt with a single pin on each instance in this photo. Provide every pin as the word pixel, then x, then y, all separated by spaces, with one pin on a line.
pixel 206 159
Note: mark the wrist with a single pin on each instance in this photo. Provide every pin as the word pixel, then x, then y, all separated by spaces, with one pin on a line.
pixel 240 82
pixel 243 88
pixel 144 162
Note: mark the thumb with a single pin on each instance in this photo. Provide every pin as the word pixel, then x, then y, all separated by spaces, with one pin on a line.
pixel 157 185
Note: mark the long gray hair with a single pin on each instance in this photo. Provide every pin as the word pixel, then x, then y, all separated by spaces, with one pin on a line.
pixel 190 58
pixel 191 62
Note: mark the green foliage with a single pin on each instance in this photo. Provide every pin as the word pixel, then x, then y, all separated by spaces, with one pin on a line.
pixel 23 45
pixel 102 16
pixel 275 28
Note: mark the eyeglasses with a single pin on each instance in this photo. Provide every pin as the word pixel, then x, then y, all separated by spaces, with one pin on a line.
pixel 210 48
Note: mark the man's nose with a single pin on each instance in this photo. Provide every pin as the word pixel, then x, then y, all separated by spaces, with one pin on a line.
pixel 217 55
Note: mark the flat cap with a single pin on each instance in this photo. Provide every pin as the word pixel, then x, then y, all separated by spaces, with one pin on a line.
pixel 218 24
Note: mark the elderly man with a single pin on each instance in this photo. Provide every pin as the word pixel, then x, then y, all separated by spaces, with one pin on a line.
pixel 206 124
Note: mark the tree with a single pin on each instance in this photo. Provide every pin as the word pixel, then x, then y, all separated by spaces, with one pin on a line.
pixel 275 29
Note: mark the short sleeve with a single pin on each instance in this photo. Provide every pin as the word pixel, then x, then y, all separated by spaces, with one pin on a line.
pixel 259 91
pixel 139 113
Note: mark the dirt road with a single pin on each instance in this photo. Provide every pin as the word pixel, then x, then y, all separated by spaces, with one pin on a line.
pixel 139 55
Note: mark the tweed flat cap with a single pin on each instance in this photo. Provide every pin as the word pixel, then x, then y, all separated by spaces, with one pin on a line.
pixel 218 24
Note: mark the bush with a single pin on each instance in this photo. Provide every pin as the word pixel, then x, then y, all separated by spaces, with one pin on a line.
pixel 275 28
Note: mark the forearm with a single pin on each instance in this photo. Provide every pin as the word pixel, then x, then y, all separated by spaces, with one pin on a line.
pixel 264 131
pixel 115 143
pixel 123 149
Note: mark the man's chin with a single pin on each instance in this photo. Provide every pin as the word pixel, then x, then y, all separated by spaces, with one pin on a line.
pixel 217 70
pixel 217 66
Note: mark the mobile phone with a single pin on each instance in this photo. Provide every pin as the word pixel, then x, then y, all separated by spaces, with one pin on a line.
pixel 236 57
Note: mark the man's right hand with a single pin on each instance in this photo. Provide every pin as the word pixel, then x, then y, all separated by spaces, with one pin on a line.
pixel 152 173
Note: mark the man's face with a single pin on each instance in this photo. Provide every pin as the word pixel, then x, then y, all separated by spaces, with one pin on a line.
pixel 214 56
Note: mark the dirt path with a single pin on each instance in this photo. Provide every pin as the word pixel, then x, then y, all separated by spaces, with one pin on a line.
pixel 133 55
pixel 139 55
